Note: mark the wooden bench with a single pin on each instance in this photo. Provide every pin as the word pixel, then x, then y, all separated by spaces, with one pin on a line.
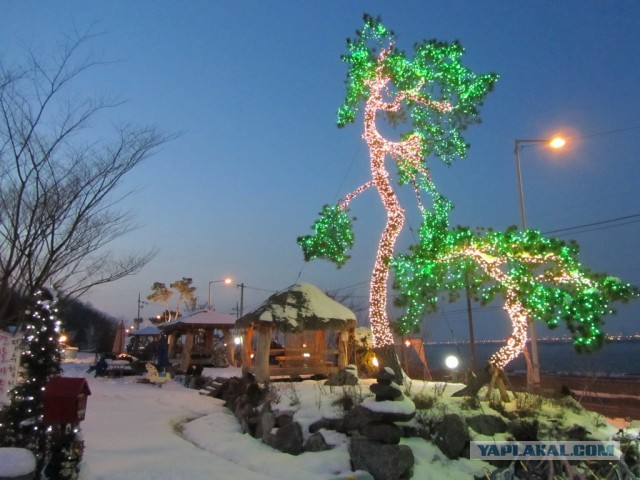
pixel 298 361
pixel 118 368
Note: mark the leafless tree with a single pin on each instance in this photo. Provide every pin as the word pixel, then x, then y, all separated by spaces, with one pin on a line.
pixel 59 187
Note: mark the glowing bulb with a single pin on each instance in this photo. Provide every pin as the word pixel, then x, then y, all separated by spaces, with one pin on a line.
pixel 374 361
pixel 451 362
pixel 557 142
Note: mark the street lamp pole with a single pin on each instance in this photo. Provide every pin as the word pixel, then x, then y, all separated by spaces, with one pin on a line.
pixel 227 281
pixel 533 377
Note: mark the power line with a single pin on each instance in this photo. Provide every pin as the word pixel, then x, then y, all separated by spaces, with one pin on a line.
pixel 605 227
pixel 593 224
pixel 610 132
pixel 335 290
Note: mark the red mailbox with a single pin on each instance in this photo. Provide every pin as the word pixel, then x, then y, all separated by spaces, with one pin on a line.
pixel 65 400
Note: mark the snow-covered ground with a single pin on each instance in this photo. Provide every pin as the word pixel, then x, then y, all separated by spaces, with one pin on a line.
pixel 137 431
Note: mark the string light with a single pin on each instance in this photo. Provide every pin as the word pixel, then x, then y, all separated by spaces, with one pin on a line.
pixel 40 358
pixel 389 82
pixel 538 278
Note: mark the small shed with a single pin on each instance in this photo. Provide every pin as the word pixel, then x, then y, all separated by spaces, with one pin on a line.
pixel 315 328
pixel 65 400
pixel 193 339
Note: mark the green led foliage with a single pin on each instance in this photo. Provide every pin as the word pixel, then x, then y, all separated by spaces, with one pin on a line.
pixel 538 278
pixel 434 73
pixel 333 237
pixel 549 281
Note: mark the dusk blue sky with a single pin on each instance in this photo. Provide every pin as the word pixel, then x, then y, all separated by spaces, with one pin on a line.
pixel 253 88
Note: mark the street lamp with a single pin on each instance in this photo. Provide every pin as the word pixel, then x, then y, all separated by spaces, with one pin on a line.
pixel 226 281
pixel 533 377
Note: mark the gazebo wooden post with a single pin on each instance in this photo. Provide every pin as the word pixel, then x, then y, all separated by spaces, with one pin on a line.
pixel 262 353
pixel 173 340
pixel 186 352
pixel 343 352
pixel 247 338
pixel 320 347
pixel 231 346
pixel 209 342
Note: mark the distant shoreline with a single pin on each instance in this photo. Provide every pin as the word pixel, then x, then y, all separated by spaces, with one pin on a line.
pixel 614 359
pixel 608 340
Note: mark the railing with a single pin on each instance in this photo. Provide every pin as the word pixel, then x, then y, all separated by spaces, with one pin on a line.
pixel 298 357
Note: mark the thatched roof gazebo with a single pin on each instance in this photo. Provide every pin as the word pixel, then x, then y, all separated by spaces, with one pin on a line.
pixel 304 315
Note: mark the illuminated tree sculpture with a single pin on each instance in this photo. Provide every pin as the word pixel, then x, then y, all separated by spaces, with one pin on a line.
pixel 538 278
pixel 441 97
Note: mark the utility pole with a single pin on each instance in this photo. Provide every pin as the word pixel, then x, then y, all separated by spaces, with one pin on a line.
pixel 138 319
pixel 241 285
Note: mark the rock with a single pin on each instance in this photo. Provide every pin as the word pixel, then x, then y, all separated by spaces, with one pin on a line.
pixel 566 392
pixel 385 376
pixel 230 391
pixel 577 432
pixel 351 368
pixel 336 424
pixel 243 407
pixel 383 432
pixel 284 418
pixel 385 392
pixel 247 414
pixel 382 461
pixel 266 423
pixel 255 394
pixel 487 424
pixel 288 439
pixel 359 416
pixel 345 376
pixel 316 443
pixel 401 410
pixel 235 387
pixel 413 431
pixel 524 430
pixel 451 436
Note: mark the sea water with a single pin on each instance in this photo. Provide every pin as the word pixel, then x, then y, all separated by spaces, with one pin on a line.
pixel 615 358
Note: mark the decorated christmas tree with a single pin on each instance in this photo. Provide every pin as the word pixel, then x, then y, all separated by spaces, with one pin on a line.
pixel 21 423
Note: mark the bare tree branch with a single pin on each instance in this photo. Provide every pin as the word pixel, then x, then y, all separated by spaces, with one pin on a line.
pixel 60 193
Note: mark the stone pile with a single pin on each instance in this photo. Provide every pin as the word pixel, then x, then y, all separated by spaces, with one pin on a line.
pixel 375 437
pixel 345 376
